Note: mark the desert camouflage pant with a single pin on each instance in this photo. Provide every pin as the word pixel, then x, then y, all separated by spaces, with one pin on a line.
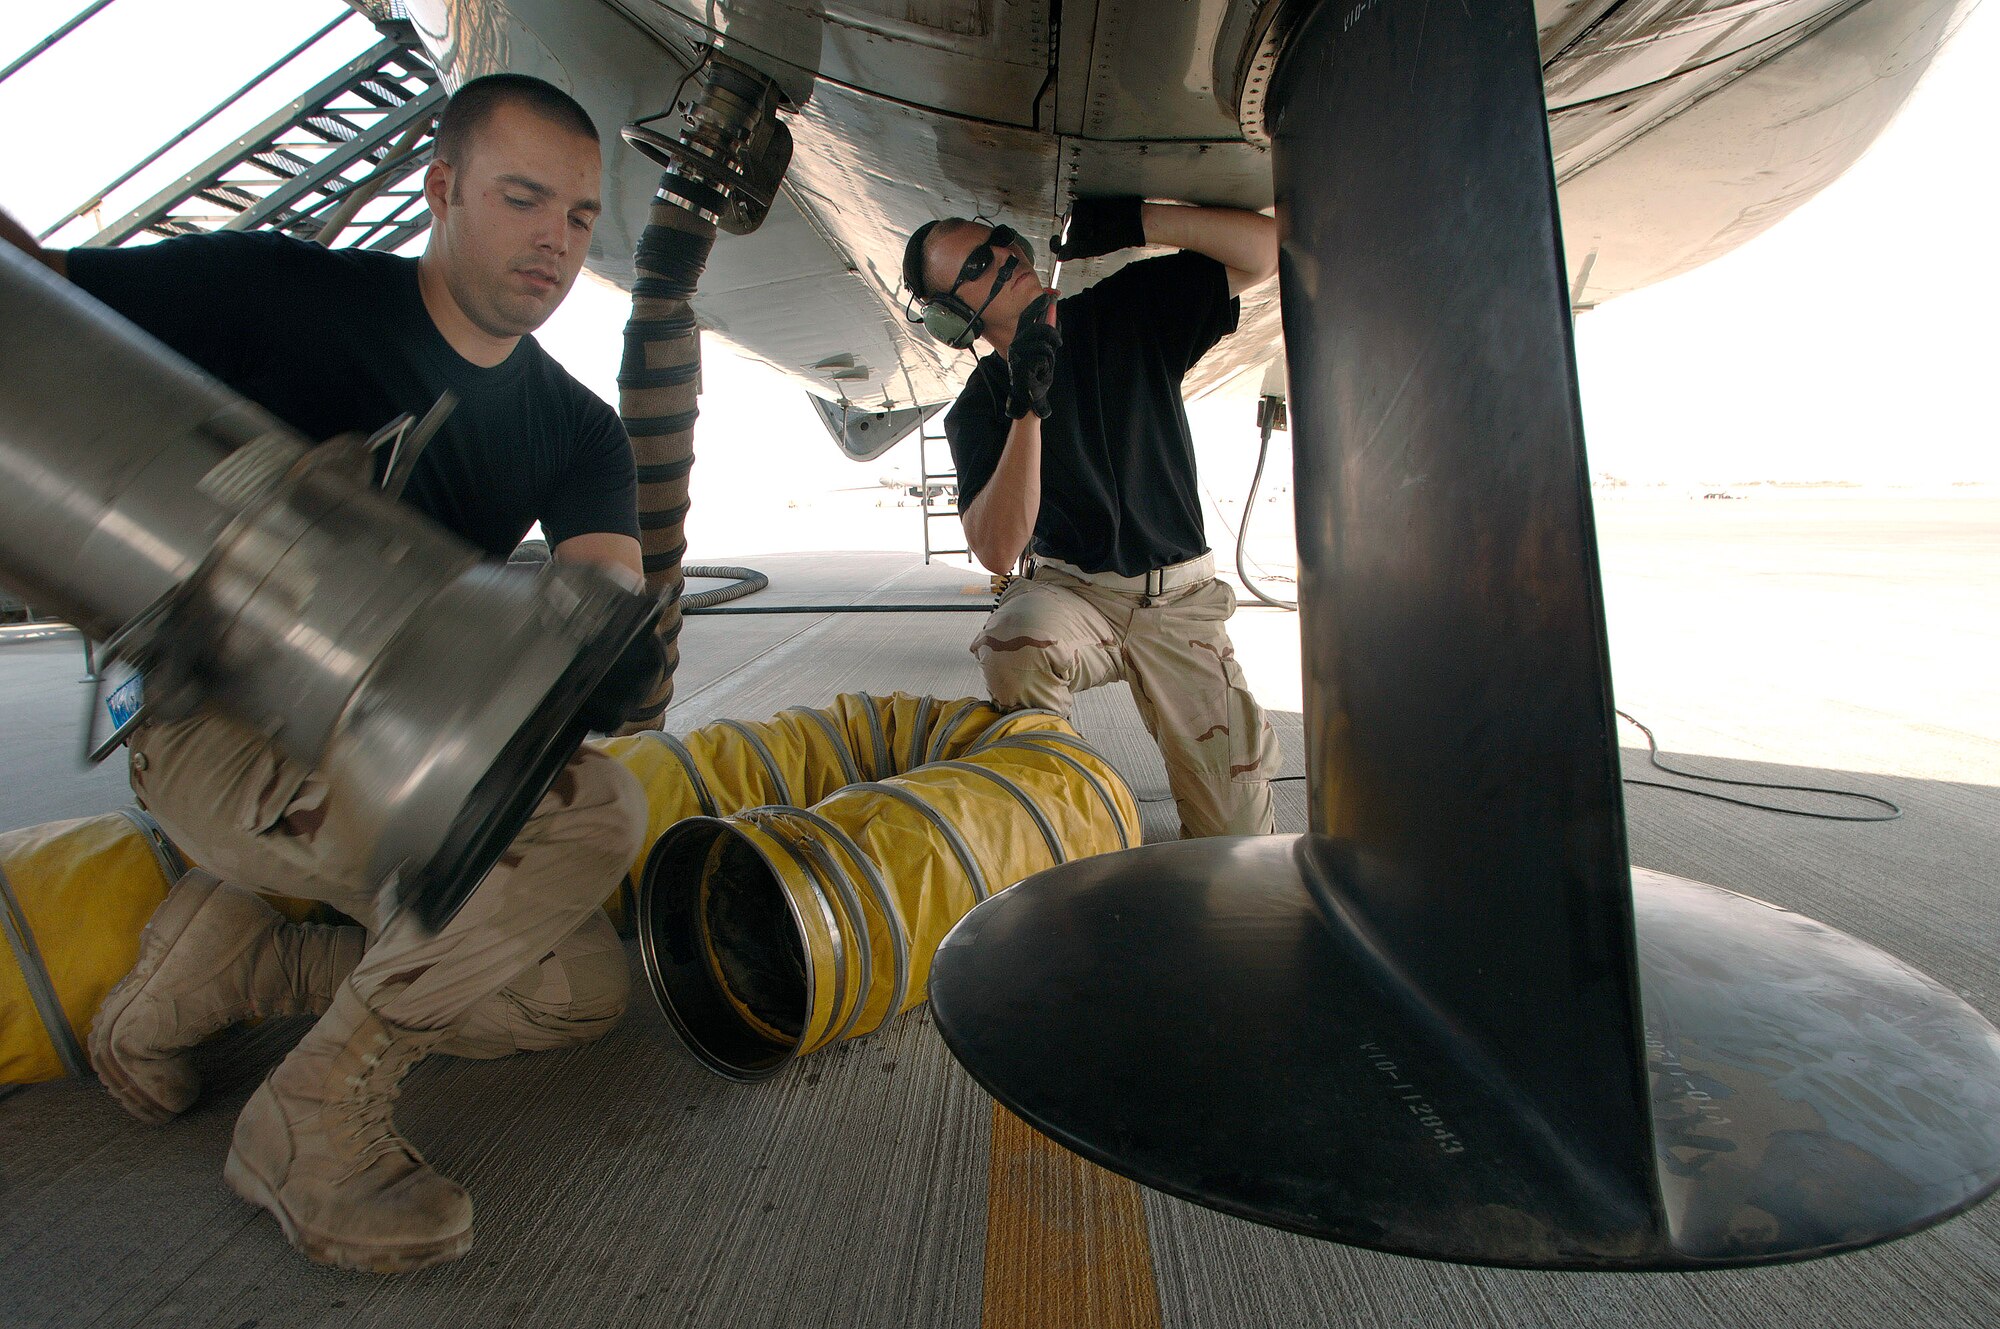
pixel 1056 635
pixel 528 963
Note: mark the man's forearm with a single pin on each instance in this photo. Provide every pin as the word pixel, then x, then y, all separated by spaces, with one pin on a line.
pixel 618 555
pixel 1001 520
pixel 1244 242
pixel 15 234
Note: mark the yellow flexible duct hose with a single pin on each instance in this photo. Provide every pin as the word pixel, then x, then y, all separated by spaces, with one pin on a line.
pixel 858 793
pixel 74 897
pixel 803 906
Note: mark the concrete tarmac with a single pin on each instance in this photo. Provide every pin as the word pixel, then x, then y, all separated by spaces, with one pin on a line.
pixel 1817 637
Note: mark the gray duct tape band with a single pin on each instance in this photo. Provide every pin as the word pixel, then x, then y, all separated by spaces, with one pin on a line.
pixel 926 712
pixel 40 989
pixel 1103 794
pixel 781 788
pixel 989 738
pixel 686 759
pixel 770 820
pixel 848 769
pixel 960 850
pixel 172 866
pixel 899 937
pixel 850 899
pixel 1049 836
pixel 950 723
pixel 879 762
pixel 1059 737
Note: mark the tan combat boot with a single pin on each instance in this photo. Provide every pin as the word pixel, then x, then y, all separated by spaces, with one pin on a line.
pixel 211 956
pixel 317 1147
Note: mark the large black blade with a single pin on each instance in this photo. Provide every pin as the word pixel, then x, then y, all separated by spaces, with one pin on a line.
pixel 1430 1025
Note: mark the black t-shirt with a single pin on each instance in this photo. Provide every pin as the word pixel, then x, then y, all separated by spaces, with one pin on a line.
pixel 338 341
pixel 1118 476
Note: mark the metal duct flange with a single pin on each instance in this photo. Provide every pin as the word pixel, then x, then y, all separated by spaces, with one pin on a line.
pixel 443 752
pixel 774 931
pixel 240 568
pixel 746 1019
pixel 731 152
pixel 105 510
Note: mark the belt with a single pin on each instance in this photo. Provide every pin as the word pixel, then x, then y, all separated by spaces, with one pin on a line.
pixel 1157 582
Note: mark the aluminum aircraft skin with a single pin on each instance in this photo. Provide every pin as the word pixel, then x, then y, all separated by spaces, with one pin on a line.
pixel 1680 129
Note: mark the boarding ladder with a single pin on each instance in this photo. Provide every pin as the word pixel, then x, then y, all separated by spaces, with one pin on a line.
pixel 932 486
pixel 346 155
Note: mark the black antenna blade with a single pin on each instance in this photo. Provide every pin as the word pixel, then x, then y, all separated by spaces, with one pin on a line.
pixel 1435 1024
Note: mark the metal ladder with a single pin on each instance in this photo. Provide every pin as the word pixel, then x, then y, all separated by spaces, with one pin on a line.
pixel 340 156
pixel 935 504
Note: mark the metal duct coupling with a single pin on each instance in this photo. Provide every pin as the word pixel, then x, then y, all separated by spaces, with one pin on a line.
pixel 837 849
pixel 241 568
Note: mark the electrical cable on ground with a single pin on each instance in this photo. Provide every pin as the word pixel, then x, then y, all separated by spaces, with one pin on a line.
pixel 1653 753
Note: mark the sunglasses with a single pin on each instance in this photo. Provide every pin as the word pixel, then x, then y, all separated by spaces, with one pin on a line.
pixel 980 260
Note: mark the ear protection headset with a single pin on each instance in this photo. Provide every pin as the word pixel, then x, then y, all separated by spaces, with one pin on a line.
pixel 945 316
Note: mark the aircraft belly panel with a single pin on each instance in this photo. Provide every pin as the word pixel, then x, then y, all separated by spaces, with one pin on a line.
pixel 872 171
pixel 975 58
pixel 1151 73
pixel 1643 43
pixel 1712 176
pixel 1680 129
pixel 1225 173
pixel 794 324
pixel 1560 23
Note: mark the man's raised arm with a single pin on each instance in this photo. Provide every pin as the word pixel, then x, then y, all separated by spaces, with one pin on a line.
pixel 1246 243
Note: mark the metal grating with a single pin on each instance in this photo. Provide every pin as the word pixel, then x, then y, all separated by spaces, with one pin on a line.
pixel 345 157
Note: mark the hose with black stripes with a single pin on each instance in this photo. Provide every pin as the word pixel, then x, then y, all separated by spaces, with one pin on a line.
pixel 834 850
pixel 659 380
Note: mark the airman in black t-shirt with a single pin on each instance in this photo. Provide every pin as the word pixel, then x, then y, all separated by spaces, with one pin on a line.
pixel 332 341
pixel 1072 447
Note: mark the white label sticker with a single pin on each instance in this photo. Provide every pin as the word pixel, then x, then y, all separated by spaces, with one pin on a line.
pixel 124 693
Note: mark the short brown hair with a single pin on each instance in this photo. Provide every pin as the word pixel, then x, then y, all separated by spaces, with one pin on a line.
pixel 472 105
pixel 916 253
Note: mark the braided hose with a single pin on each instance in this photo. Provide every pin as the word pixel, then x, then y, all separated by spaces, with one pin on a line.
pixel 659 380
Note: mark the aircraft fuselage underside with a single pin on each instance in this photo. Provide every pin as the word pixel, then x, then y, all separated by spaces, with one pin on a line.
pixel 1679 129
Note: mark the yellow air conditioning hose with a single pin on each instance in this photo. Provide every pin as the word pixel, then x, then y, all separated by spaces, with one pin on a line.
pixel 834 851
pixel 911 803
pixel 74 896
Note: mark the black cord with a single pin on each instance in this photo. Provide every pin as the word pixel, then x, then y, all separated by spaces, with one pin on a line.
pixel 1653 752
pixel 1266 422
pixel 674 103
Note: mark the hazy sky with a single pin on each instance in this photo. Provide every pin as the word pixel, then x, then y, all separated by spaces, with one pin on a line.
pixel 1855 340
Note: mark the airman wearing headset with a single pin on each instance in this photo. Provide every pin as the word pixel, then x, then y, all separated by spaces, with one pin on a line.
pixel 1072 448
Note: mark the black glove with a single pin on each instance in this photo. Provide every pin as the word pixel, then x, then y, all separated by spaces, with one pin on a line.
pixel 1031 361
pixel 622 694
pixel 1100 226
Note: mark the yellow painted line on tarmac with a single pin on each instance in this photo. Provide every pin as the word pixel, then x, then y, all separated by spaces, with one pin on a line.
pixel 1066 1241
